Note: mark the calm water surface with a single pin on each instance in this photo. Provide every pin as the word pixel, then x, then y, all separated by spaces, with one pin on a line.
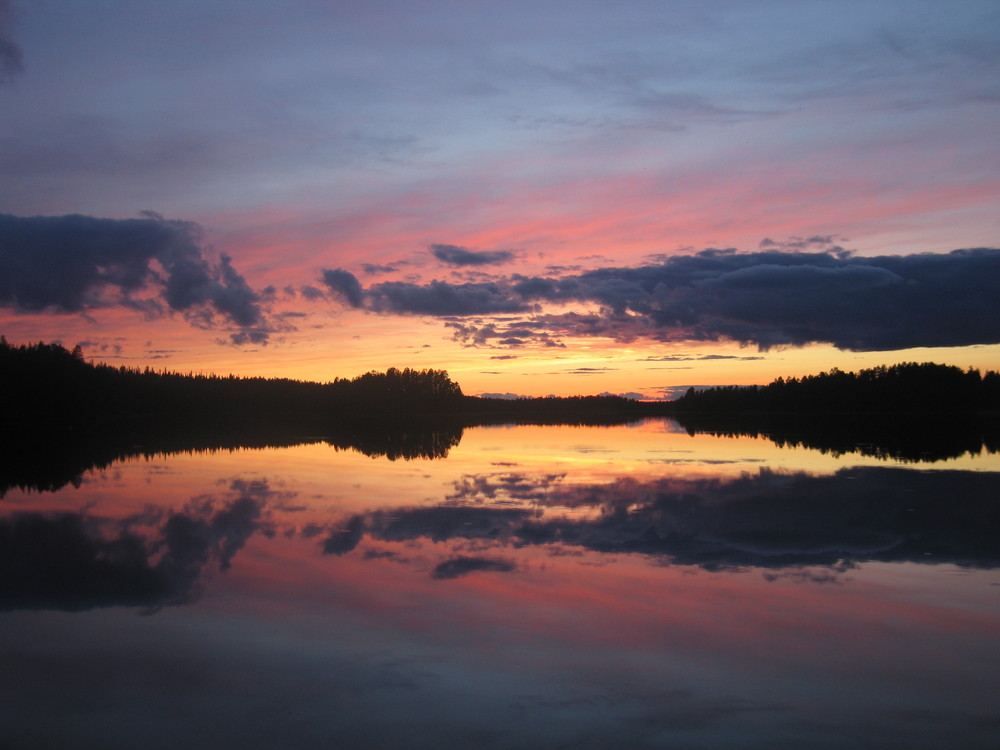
pixel 539 587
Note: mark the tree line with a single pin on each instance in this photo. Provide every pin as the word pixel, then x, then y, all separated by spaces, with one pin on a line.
pixel 48 385
pixel 907 387
pixel 45 384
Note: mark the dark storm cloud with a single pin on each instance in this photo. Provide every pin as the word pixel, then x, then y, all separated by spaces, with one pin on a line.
pixel 460 256
pixel 767 298
pixel 11 56
pixel 462 566
pixel 70 264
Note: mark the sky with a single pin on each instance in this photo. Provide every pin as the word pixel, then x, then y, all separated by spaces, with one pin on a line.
pixel 539 197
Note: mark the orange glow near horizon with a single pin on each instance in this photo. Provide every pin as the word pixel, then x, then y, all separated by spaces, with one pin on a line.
pixel 352 343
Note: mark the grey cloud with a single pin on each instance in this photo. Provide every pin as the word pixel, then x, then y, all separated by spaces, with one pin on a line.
pixel 587 370
pixel 68 264
pixel 345 284
pixel 311 293
pixel 634 395
pixel 74 562
pixel 441 523
pixel 437 298
pixel 460 256
pixel 462 566
pixel 443 299
pixel 816 242
pixel 700 358
pixel 767 298
pixel 855 515
pixel 11 56
pixel 373 269
pixel 245 338
pixel 512 336
pixel 344 539
pixel 233 297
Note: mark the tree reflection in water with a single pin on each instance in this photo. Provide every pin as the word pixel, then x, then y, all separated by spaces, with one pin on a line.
pixel 513 595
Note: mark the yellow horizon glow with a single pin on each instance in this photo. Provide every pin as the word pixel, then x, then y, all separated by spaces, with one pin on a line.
pixel 344 344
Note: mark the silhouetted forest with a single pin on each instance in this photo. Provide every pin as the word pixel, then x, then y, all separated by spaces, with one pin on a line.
pixel 908 387
pixel 51 388
pixel 63 416
pixel 46 463
pixel 46 384
pixel 916 438
pixel 910 412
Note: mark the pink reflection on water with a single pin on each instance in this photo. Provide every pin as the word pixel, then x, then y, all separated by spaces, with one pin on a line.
pixel 534 581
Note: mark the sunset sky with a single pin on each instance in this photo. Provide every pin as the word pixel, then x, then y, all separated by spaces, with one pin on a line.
pixel 539 197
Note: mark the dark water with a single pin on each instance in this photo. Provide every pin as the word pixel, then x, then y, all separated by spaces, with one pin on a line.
pixel 538 587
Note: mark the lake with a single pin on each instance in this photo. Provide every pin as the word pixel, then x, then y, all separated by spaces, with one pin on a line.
pixel 628 586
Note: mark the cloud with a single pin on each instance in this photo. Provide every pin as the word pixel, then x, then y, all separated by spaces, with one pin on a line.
pixel 11 56
pixel 311 293
pixel 587 370
pixel 510 337
pixel 345 284
pixel 699 358
pixel 462 566
pixel 769 298
pixel 344 539
pixel 74 562
pixel 373 269
pixel 73 264
pixel 816 242
pixel 440 298
pixel 460 256
pixel 634 395
pixel 855 515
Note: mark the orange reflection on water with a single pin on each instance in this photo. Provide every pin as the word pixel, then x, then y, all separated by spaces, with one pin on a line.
pixel 569 578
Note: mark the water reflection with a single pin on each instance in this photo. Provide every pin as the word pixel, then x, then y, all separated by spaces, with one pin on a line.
pixel 155 558
pixel 54 461
pixel 539 588
pixel 768 519
pixel 913 438
pixel 760 518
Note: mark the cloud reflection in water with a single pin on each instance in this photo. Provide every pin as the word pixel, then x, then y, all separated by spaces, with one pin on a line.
pixel 781 522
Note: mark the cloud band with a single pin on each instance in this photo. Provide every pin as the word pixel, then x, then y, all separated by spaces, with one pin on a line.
pixel 74 263
pixel 767 299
